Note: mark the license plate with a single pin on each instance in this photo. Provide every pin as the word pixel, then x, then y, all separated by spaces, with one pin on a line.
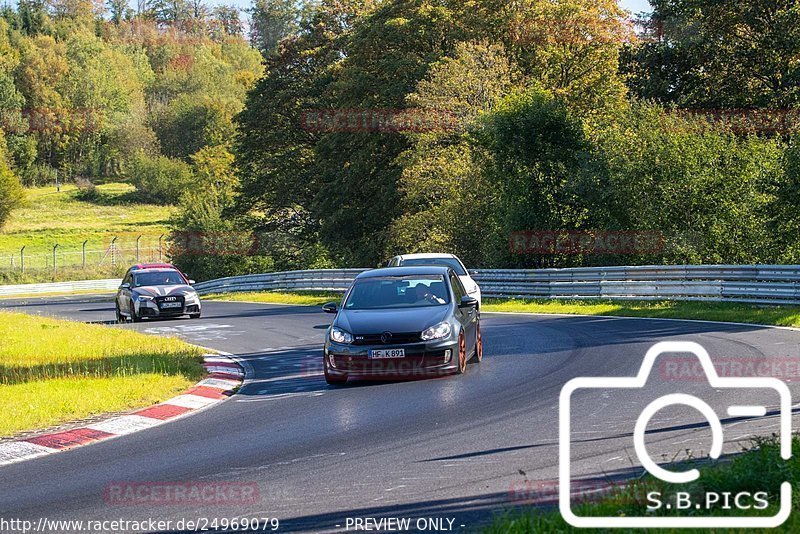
pixel 170 304
pixel 387 354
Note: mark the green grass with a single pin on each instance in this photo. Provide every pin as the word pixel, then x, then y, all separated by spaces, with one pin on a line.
pixel 53 371
pixel 51 217
pixel 759 469
pixel 707 311
pixel 272 297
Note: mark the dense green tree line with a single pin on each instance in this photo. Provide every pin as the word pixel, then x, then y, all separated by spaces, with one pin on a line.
pixel 347 131
pixel 559 117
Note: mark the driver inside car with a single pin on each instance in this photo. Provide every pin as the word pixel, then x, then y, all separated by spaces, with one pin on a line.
pixel 424 295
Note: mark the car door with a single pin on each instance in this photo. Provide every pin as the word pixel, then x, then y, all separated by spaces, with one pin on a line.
pixel 467 316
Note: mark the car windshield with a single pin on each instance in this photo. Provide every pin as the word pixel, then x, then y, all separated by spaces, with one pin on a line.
pixel 161 278
pixel 447 262
pixel 398 292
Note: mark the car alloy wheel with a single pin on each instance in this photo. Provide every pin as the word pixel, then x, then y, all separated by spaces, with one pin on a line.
pixel 462 354
pixel 135 318
pixel 478 358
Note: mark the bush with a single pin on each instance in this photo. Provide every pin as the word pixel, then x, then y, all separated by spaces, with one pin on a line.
pixel 86 190
pixel 160 179
pixel 38 174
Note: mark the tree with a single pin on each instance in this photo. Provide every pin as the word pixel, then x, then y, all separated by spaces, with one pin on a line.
pixel 11 194
pixel 229 19
pixel 117 9
pixel 447 203
pixel 722 54
pixel 271 21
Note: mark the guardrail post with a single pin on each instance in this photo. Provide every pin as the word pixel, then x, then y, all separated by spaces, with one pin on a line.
pixel 83 250
pixel 137 248
pixel 22 259
pixel 55 248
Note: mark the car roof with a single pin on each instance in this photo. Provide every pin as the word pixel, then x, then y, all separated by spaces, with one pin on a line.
pixel 157 270
pixel 426 256
pixel 405 271
pixel 148 266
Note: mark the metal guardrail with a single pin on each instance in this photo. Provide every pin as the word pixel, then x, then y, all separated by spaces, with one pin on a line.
pixel 60 287
pixel 320 280
pixel 756 284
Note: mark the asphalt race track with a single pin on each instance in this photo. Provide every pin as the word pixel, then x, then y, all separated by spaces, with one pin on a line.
pixel 457 447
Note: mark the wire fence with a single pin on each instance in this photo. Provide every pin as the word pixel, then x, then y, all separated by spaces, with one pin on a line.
pixel 87 256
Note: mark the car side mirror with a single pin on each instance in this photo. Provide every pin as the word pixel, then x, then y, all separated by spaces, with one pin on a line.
pixel 331 308
pixel 468 302
pixel 125 286
pixel 192 282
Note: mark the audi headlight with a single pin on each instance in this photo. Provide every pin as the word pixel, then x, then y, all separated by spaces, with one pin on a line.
pixel 440 331
pixel 142 298
pixel 341 336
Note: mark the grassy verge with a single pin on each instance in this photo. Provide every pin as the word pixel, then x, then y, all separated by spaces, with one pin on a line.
pixel 53 371
pixel 707 311
pixel 63 217
pixel 270 297
pixel 760 469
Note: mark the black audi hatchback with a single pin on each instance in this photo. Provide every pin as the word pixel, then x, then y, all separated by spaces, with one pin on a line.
pixel 403 323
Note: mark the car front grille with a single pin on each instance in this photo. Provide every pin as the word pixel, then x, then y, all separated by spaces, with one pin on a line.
pixel 394 339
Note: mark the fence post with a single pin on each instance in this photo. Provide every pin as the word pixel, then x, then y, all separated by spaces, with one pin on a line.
pixel 83 249
pixel 113 252
pixel 160 248
pixel 22 259
pixel 137 248
pixel 55 247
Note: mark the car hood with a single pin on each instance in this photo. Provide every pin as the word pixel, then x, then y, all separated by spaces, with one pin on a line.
pixel 163 291
pixel 362 322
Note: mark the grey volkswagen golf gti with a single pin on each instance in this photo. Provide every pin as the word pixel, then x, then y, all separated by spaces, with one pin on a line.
pixel 403 323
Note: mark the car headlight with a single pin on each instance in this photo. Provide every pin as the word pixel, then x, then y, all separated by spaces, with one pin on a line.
pixel 340 336
pixel 440 331
pixel 142 298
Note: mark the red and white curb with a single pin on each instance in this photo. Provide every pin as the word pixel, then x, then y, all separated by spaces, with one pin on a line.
pixel 225 375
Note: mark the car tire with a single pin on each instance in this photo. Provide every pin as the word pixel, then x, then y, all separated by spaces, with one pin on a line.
pixel 120 317
pixel 462 354
pixel 135 318
pixel 478 356
pixel 334 380
pixel 194 316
